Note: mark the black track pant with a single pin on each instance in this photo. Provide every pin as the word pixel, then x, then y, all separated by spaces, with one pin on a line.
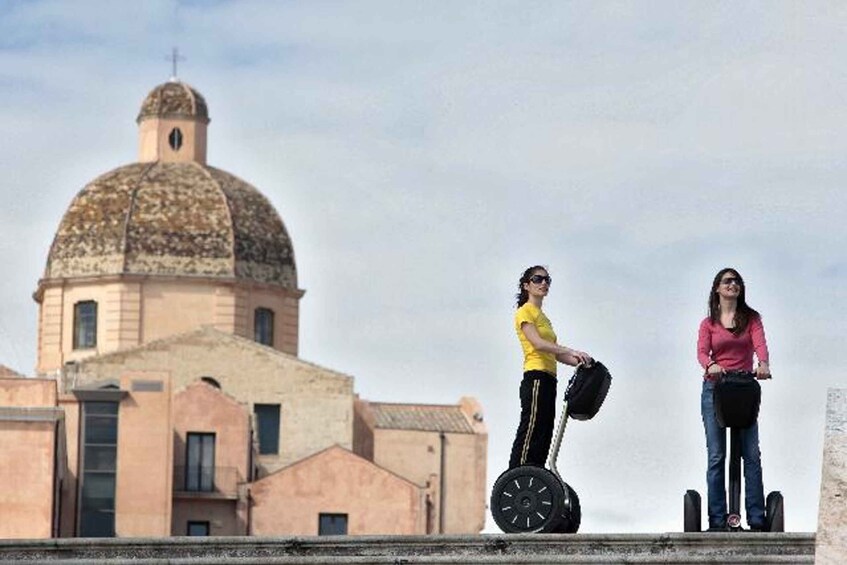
pixel 538 412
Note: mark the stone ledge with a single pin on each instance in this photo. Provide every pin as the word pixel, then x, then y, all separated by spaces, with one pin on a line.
pixel 832 511
pixel 724 548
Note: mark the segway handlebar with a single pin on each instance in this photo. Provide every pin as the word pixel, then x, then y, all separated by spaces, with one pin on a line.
pixel 747 374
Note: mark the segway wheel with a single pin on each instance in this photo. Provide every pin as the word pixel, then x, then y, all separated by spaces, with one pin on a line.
pixel 774 512
pixel 527 499
pixel 571 516
pixel 692 511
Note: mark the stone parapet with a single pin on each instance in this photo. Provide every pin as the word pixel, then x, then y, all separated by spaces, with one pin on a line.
pixel 724 548
pixel 832 511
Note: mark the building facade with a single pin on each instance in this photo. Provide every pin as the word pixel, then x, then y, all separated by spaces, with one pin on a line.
pixel 170 399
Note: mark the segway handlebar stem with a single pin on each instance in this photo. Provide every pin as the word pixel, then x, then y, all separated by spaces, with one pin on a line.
pixel 557 443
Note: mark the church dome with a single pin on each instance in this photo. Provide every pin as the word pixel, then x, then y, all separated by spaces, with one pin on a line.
pixel 172 219
pixel 174 99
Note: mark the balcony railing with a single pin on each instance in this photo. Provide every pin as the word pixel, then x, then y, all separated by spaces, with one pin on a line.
pixel 207 481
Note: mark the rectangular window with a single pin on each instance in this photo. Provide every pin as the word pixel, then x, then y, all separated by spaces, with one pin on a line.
pixel 198 529
pixel 85 325
pixel 99 458
pixel 267 423
pixel 200 462
pixel 263 326
pixel 332 524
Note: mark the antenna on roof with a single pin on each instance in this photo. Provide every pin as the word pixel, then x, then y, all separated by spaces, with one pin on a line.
pixel 175 57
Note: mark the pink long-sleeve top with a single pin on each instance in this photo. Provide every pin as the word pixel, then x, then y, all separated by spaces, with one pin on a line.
pixel 733 352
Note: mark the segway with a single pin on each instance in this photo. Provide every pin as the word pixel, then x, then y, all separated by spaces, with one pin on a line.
pixel 737 396
pixel 532 499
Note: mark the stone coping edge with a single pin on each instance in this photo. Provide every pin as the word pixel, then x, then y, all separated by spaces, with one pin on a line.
pixel 742 547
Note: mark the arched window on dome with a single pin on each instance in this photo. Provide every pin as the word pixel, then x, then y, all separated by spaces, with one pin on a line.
pixel 175 139
pixel 263 326
pixel 85 325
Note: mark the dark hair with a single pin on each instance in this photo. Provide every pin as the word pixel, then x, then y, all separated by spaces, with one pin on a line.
pixel 743 312
pixel 522 295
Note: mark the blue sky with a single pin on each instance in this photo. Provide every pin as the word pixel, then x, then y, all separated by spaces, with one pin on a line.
pixel 422 154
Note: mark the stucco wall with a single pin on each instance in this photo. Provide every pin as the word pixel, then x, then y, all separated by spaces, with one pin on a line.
pixel 316 404
pixel 336 481
pixel 417 456
pixel 174 307
pixel 118 311
pixel 23 392
pixel 202 408
pixel 286 316
pixel 363 430
pixel 28 428
pixel 153 140
pixel 50 315
pixel 145 457
pixel 137 310
pixel 26 479
pixel 70 407
pixel 221 515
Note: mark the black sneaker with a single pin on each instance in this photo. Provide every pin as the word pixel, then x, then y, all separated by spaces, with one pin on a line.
pixel 756 528
pixel 717 529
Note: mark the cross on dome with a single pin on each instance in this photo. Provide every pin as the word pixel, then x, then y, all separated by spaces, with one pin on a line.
pixel 175 57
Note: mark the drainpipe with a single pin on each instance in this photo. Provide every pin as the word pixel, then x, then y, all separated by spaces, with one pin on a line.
pixel 443 482
pixel 249 513
pixel 56 507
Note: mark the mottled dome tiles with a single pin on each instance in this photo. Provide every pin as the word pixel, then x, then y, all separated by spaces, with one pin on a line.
pixel 89 239
pixel 262 246
pixel 174 99
pixel 179 219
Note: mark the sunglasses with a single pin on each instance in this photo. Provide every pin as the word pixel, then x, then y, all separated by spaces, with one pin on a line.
pixel 538 279
pixel 732 280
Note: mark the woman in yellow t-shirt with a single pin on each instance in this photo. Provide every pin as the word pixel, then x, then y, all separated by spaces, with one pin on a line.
pixel 538 387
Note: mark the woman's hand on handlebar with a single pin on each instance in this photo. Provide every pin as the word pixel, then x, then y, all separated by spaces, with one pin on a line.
pixel 763 371
pixel 714 369
pixel 573 357
pixel 582 357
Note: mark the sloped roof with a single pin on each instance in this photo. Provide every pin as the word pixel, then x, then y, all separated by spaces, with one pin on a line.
pixel 420 417
pixel 6 372
pixel 317 457
pixel 211 335
pixel 200 384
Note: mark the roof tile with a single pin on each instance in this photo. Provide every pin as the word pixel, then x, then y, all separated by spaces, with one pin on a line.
pixel 421 417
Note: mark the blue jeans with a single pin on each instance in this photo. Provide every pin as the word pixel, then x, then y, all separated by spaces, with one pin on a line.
pixel 754 499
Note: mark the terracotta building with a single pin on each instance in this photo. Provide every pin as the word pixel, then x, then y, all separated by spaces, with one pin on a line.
pixel 170 398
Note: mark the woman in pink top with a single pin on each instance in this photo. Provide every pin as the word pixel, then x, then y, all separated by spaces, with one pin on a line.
pixel 727 340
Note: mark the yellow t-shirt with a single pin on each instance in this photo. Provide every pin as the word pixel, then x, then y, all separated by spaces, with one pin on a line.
pixel 534 360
